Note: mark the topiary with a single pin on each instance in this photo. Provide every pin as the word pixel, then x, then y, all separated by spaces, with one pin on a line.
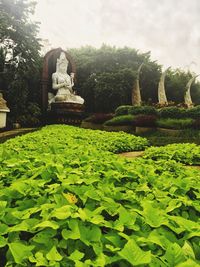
pixel 172 112
pixel 142 110
pixel 122 110
pixel 193 113
pixel 176 124
pixel 121 121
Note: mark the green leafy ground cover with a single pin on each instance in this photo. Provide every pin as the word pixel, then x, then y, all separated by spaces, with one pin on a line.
pixel 186 153
pixel 68 201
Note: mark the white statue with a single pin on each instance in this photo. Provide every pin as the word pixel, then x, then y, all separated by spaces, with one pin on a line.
pixel 187 96
pixel 63 83
pixel 162 99
pixel 136 96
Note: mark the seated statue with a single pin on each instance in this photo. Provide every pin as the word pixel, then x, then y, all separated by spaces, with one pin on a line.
pixel 63 83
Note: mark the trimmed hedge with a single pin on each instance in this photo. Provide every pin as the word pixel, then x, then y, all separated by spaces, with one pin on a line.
pixel 135 110
pixel 122 110
pixel 145 120
pixel 193 113
pixel 99 118
pixel 142 110
pixel 121 121
pixel 172 112
pixel 176 124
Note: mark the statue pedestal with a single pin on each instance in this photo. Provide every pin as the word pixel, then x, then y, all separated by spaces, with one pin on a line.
pixel 60 107
pixel 66 113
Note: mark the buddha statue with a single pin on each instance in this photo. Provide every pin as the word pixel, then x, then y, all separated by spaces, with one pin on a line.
pixel 62 82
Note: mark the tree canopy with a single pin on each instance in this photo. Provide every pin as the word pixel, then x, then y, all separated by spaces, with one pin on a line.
pixel 105 78
pixel 19 58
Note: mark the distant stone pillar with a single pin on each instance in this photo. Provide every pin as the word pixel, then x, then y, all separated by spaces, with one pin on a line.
pixel 187 96
pixel 136 95
pixel 162 99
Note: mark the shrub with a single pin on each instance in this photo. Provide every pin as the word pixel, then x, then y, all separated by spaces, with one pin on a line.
pixel 99 118
pixel 122 110
pixel 145 120
pixel 121 121
pixel 193 113
pixel 31 117
pixel 175 123
pixel 184 153
pixel 172 112
pixel 142 110
pixel 196 124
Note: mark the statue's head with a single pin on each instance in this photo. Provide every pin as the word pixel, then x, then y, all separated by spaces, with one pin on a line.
pixel 62 63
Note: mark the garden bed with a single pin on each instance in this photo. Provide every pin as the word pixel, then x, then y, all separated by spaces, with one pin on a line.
pixel 67 200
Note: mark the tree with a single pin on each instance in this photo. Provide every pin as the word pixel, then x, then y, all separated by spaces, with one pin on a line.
pixel 176 81
pixel 20 60
pixel 105 76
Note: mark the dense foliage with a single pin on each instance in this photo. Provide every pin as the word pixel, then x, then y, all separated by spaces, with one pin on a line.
pixel 177 124
pixel 165 117
pixel 105 78
pixel 135 110
pixel 20 61
pixel 121 120
pixel 185 153
pixel 66 201
pixel 99 118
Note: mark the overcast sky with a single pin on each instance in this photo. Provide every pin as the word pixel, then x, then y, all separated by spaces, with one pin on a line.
pixel 170 29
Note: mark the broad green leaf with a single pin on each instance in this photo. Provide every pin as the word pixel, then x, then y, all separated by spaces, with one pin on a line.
pixel 44 236
pixel 174 255
pixel 74 233
pixel 3 229
pixel 53 255
pixel 3 242
pixel 188 251
pixel 62 212
pixel 39 259
pixel 134 254
pixel 46 224
pixel 76 256
pixel 20 252
pixel 89 233
pixel 188 263
pixel 153 216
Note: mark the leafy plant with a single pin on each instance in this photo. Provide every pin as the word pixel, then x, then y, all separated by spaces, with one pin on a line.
pixel 65 200
pixel 121 120
pixel 122 110
pixel 194 113
pixel 175 123
pixel 172 112
pixel 185 153
pixel 143 110
pixel 99 118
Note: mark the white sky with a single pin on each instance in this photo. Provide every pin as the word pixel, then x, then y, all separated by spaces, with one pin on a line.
pixel 170 29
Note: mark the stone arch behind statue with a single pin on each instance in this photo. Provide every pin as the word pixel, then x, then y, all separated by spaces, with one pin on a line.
pixel 49 67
